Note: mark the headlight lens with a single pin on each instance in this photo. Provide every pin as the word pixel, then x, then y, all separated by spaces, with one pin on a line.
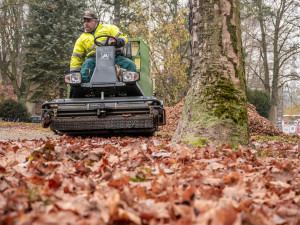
pixel 129 76
pixel 73 78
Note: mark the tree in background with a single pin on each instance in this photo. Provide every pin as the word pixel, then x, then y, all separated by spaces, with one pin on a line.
pixel 261 100
pixel 293 110
pixel 272 33
pixel 171 49
pixel 103 12
pixel 116 12
pixel 120 11
pixel 294 98
pixel 164 27
pixel 52 31
pixel 216 106
pixel 12 26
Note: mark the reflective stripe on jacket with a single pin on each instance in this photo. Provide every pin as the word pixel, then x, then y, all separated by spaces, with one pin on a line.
pixel 85 47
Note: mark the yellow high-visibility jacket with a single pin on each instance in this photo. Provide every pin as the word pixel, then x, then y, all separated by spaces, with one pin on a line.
pixel 85 47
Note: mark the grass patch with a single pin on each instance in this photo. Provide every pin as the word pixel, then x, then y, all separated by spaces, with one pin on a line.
pixel 276 138
pixel 6 124
pixel 196 141
pixel 138 178
pixel 161 133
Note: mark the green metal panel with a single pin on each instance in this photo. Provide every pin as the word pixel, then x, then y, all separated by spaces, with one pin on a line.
pixel 141 58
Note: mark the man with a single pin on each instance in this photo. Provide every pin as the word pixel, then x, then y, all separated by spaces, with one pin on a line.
pixel 85 47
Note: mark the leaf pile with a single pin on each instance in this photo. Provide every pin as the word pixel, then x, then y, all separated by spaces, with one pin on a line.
pixel 258 125
pixel 147 181
pixel 172 117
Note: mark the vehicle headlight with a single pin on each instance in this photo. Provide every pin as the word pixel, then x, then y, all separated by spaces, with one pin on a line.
pixel 129 76
pixel 73 78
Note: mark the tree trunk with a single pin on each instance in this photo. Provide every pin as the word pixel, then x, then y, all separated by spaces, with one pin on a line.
pixel 264 47
pixel 274 102
pixel 274 94
pixel 117 12
pixel 11 54
pixel 216 104
pixel 276 66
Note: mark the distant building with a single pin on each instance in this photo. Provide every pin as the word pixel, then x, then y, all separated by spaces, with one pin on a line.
pixel 291 124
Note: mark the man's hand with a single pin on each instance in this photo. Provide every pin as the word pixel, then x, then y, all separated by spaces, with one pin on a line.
pixel 112 41
pixel 118 42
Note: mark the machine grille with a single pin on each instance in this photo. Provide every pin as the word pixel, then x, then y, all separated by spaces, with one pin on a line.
pixel 105 123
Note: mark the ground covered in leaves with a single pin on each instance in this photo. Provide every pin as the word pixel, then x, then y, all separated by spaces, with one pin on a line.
pixel 138 180
pixel 15 131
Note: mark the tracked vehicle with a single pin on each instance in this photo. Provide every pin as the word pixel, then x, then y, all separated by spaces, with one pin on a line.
pixel 114 101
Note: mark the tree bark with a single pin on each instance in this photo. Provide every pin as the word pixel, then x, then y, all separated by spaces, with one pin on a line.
pixel 264 44
pixel 12 39
pixel 276 66
pixel 216 105
pixel 117 12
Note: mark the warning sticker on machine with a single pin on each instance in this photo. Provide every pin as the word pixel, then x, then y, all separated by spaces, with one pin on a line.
pixel 137 63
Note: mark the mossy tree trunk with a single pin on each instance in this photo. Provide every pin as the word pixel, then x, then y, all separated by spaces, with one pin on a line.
pixel 216 105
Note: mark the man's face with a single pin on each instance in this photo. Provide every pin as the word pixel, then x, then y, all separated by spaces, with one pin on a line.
pixel 90 24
